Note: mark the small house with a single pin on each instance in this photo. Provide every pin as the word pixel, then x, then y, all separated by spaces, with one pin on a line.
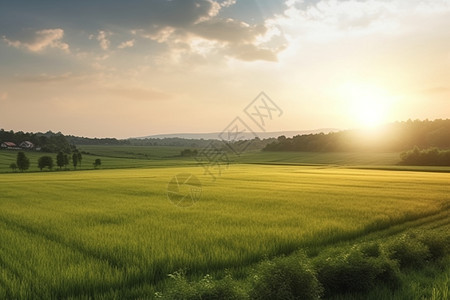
pixel 26 145
pixel 8 145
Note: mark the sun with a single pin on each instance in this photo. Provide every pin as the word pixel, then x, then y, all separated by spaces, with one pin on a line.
pixel 367 105
pixel 369 111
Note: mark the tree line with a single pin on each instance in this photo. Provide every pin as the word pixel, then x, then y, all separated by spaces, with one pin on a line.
pixel 53 142
pixel 398 136
pixel 62 161
pixel 48 142
pixel 425 157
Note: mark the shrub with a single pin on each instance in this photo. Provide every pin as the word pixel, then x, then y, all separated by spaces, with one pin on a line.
pixel 205 289
pixel 437 243
pixel 408 251
pixel 371 250
pixel 425 157
pixel 285 278
pixel 356 271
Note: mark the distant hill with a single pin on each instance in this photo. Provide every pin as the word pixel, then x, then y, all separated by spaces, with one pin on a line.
pixel 246 136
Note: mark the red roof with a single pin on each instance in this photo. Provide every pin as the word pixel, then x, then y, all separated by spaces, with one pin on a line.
pixel 10 144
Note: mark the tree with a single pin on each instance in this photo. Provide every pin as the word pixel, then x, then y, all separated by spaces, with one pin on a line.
pixel 97 163
pixel 60 159
pixel 45 162
pixel 80 157
pixel 66 160
pixel 75 159
pixel 23 163
pixel 13 166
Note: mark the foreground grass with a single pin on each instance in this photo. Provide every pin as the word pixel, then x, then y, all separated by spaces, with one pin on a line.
pixel 408 261
pixel 114 232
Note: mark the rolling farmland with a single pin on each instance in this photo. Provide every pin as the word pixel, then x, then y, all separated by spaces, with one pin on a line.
pixel 114 233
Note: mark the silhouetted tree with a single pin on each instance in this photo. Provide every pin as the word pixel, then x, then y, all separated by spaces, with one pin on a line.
pixel 13 166
pixel 23 163
pixel 75 159
pixel 425 157
pixel 188 153
pixel 60 159
pixel 66 160
pixel 45 162
pixel 97 163
pixel 79 156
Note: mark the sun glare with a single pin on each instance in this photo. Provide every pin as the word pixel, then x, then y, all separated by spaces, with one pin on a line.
pixel 366 104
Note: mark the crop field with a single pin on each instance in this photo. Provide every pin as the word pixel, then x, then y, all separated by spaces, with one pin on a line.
pixel 112 158
pixel 136 152
pixel 114 233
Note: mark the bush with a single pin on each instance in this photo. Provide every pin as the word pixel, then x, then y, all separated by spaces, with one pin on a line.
pixel 205 289
pixel 371 250
pixel 356 271
pixel 425 157
pixel 438 244
pixel 285 278
pixel 408 251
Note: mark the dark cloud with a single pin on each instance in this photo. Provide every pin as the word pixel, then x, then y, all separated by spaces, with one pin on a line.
pixel 249 52
pixel 150 17
pixel 89 15
pixel 228 30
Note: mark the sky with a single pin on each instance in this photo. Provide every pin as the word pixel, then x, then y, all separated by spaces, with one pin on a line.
pixel 111 68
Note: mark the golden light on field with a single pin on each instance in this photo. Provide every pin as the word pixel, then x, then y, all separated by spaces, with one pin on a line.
pixel 368 105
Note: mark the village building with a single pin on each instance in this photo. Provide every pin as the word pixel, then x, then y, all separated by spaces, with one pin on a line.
pixel 8 145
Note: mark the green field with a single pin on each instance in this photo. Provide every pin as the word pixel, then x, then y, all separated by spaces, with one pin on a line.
pixel 112 157
pixel 114 233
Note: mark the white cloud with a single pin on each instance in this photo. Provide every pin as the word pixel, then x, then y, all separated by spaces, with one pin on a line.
pixel 42 39
pixel 102 37
pixel 228 3
pixel 331 19
pixel 127 44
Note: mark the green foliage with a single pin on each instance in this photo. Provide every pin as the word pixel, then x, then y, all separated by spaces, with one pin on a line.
pixel 438 243
pixel 97 163
pixel 414 250
pixel 188 153
pixel 66 160
pixel 357 270
pixel 79 156
pixel 13 166
pixel 75 160
pixel 408 251
pixel 426 157
pixel 285 278
pixel 60 159
pixel 45 162
pixel 49 141
pixel 371 250
pixel 397 136
pixel 23 163
pixel 206 289
pixel 100 234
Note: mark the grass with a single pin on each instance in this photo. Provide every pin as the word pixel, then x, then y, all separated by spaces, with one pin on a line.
pixel 321 158
pixel 122 157
pixel 113 157
pixel 114 233
pixel 135 152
